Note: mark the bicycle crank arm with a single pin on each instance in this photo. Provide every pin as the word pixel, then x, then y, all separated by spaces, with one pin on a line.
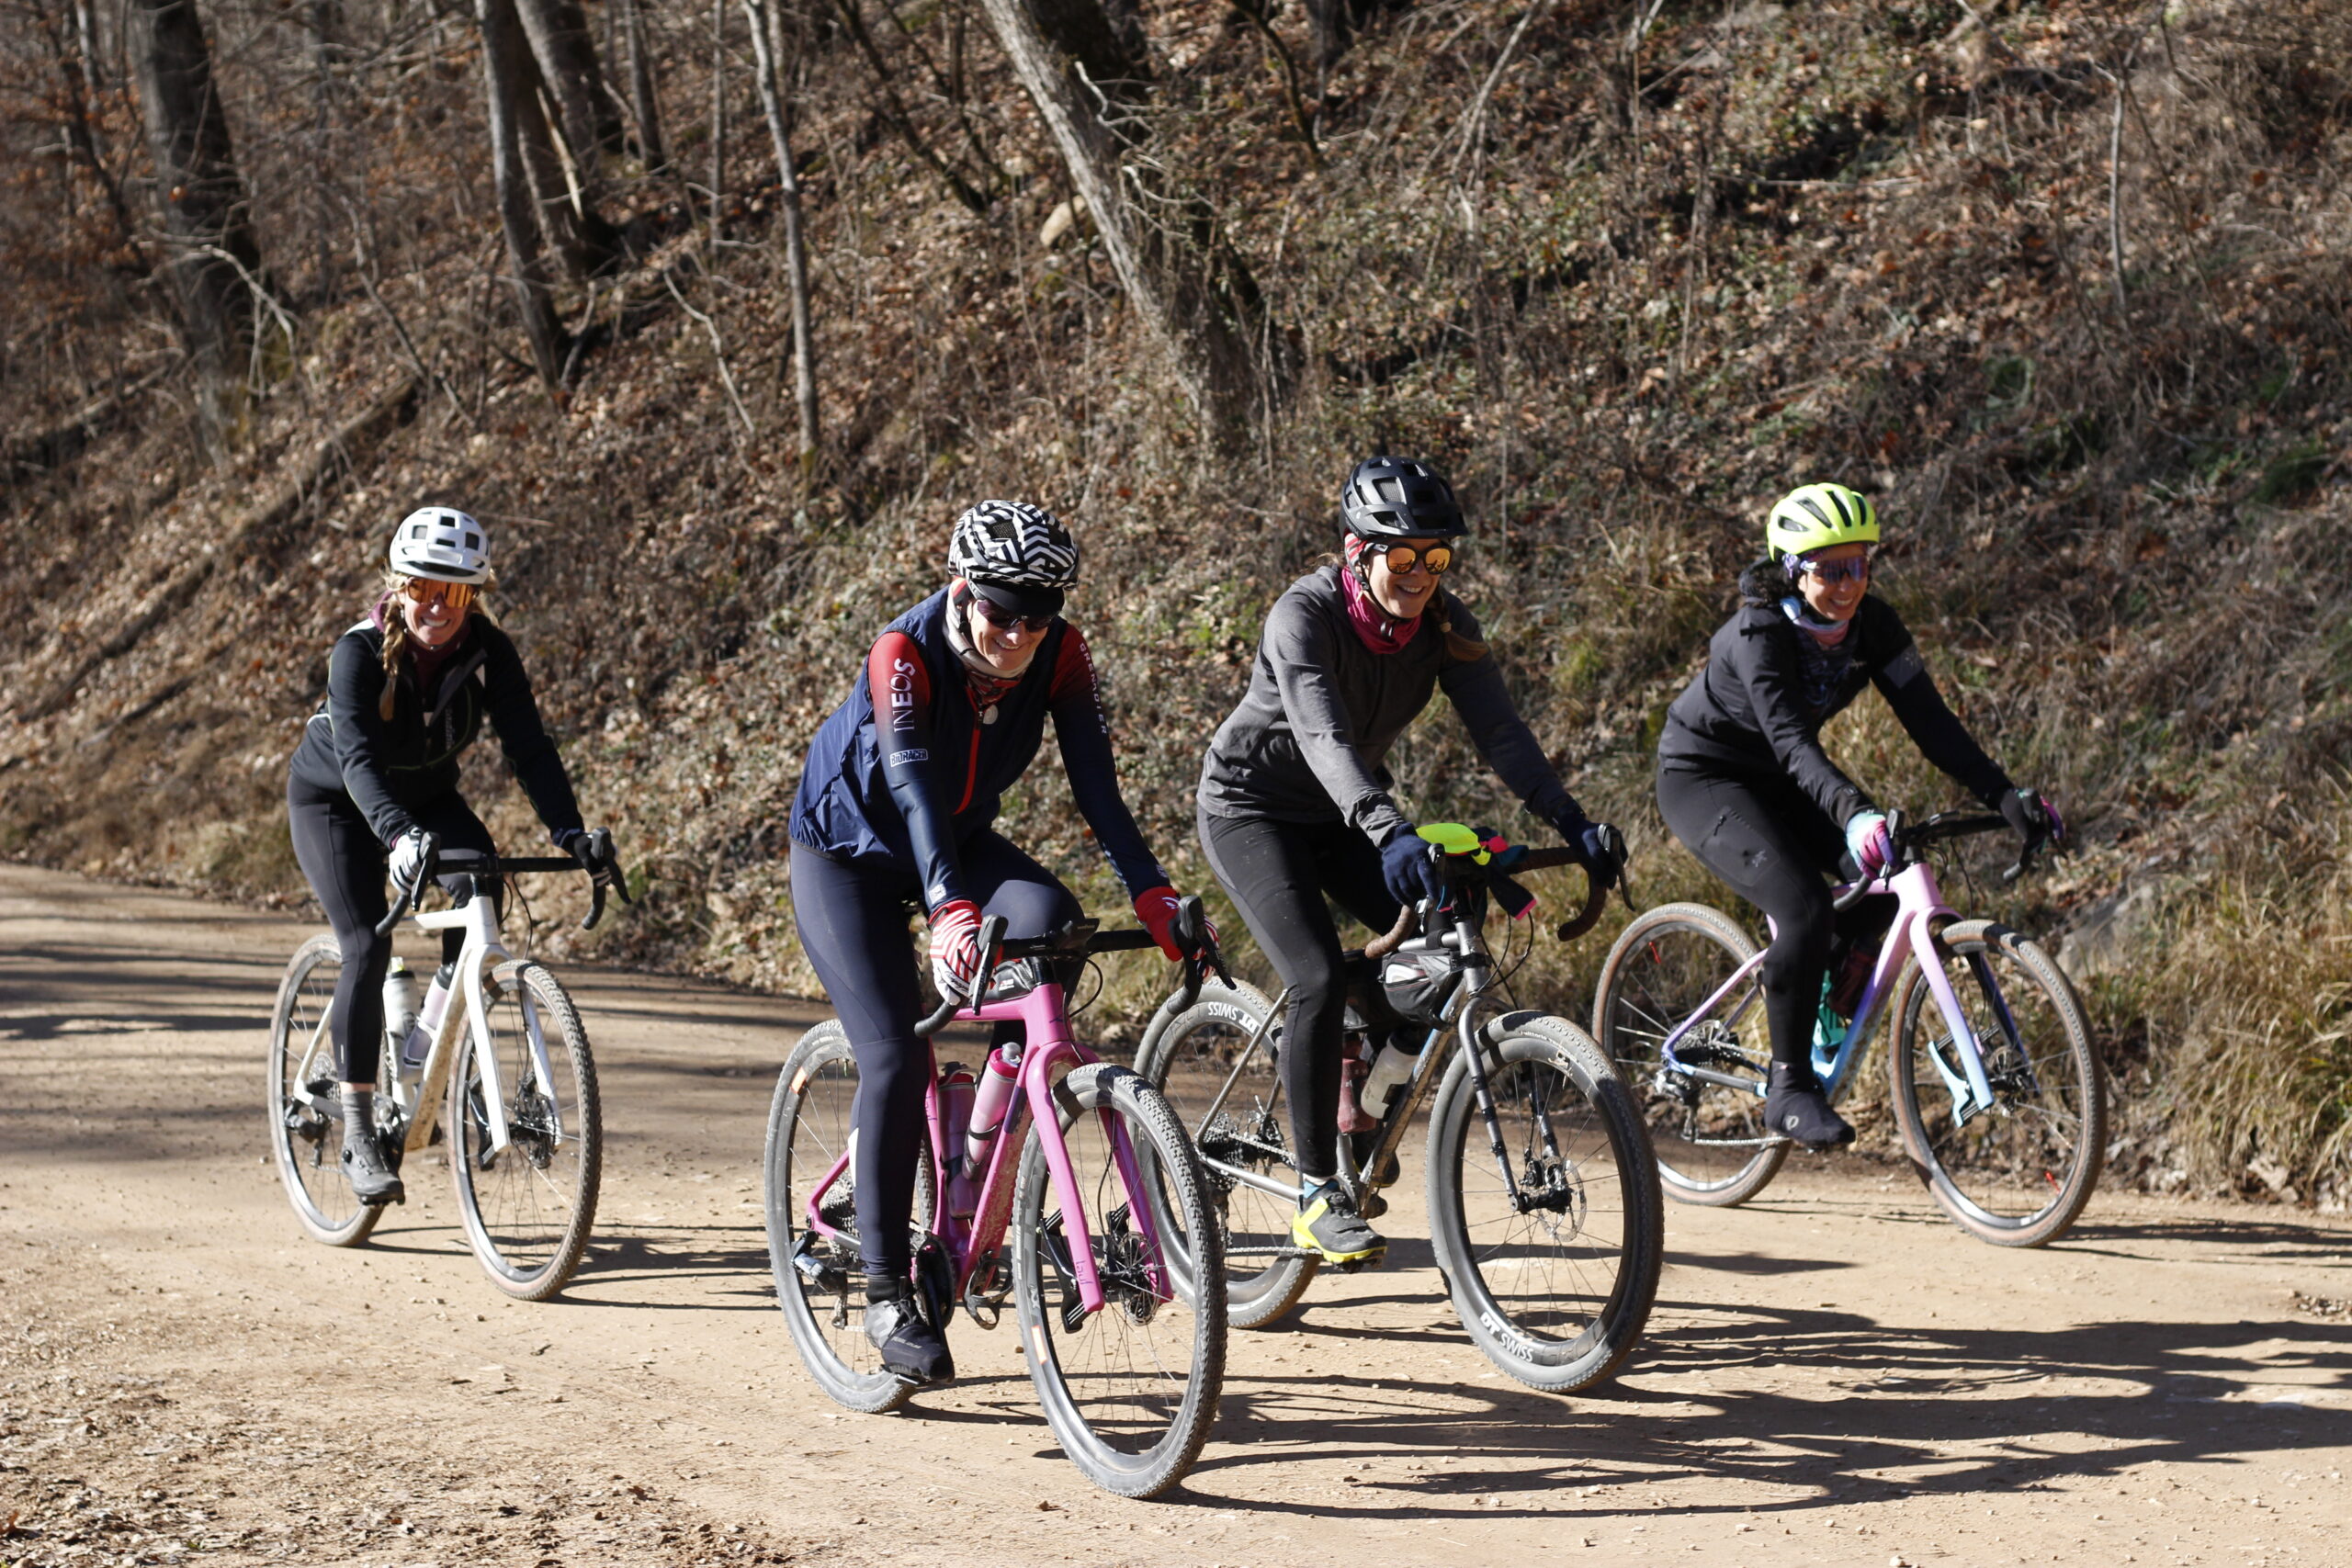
pixel 1721 1081
pixel 1266 1184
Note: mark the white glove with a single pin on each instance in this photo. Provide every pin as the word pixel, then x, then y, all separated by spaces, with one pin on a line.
pixel 411 858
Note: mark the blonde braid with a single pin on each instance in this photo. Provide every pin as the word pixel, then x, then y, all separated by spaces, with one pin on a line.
pixel 396 640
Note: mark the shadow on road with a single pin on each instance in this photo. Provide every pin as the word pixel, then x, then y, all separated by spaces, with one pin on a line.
pixel 1873 1399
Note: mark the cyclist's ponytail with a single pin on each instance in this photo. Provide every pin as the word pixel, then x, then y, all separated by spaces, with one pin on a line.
pixel 396 641
pixel 1461 649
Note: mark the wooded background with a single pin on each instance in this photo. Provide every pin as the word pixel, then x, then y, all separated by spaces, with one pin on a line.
pixel 719 313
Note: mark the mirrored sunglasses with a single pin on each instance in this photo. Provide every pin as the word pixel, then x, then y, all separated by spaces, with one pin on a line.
pixel 431 590
pixel 1855 568
pixel 1402 558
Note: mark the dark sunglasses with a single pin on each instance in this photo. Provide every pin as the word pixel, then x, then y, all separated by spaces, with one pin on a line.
pixel 1402 558
pixel 1856 568
pixel 1005 620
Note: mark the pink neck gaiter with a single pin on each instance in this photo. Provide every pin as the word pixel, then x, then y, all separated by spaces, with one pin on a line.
pixel 1378 630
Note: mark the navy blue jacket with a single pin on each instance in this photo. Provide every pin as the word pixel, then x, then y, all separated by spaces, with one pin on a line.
pixel 906 769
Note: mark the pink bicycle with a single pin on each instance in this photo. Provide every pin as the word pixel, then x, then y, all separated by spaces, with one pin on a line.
pixel 1995 1089
pixel 1126 1357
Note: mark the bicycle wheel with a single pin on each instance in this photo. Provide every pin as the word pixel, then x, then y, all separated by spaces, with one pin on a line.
pixel 1555 1288
pixel 528 1207
pixel 819 1282
pixel 1132 1390
pixel 2016 1173
pixel 306 1139
pixel 1713 1145
pixel 1188 1055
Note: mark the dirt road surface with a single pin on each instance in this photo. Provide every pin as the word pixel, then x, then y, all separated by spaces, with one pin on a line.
pixel 1833 1374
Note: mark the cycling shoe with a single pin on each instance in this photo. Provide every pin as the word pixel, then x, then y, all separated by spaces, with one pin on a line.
pixel 911 1348
pixel 374 1181
pixel 1795 1109
pixel 1329 1225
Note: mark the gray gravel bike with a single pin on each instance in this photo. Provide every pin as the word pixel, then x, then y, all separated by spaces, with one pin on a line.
pixel 1542 1196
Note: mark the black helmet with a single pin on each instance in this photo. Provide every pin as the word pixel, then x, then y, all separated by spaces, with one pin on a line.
pixel 1397 498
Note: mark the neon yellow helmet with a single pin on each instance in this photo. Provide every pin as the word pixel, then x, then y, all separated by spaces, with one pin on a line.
pixel 1818 516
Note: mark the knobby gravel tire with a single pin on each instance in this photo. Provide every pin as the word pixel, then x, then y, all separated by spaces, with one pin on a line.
pixel 1713 1146
pixel 819 1282
pixel 1132 1390
pixel 308 1148
pixel 2019 1174
pixel 1187 1054
pixel 1556 1296
pixel 528 1209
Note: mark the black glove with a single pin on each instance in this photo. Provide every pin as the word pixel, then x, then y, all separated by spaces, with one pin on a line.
pixel 413 858
pixel 597 857
pixel 2035 820
pixel 1406 867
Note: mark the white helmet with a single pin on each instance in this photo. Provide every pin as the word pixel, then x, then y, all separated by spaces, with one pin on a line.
pixel 441 542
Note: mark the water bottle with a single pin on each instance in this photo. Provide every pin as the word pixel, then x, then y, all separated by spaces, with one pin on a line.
pixel 955 1087
pixel 1391 1067
pixel 419 1042
pixel 400 1002
pixel 1828 1033
pixel 990 1099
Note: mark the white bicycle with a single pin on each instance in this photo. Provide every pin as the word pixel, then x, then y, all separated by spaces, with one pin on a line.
pixel 507 1051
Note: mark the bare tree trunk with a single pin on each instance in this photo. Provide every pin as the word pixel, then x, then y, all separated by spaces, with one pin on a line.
pixel 717 124
pixel 567 55
pixel 509 79
pixel 215 262
pixel 767 47
pixel 643 102
pixel 1163 268
pixel 78 86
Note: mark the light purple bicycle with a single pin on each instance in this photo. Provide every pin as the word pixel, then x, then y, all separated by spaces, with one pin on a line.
pixel 1126 1357
pixel 1995 1086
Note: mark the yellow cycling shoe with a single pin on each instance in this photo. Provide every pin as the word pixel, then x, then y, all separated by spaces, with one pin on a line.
pixel 1330 1226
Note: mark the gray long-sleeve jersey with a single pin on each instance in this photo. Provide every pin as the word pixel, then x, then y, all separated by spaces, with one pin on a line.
pixel 1309 740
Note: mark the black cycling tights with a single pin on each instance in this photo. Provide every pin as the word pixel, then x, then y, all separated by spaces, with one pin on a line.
pixel 853 919
pixel 1774 846
pixel 345 861
pixel 1277 874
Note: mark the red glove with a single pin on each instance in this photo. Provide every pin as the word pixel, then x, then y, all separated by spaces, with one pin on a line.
pixel 954 946
pixel 1157 908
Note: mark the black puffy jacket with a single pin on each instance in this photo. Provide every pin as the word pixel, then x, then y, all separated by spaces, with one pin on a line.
pixel 1748 713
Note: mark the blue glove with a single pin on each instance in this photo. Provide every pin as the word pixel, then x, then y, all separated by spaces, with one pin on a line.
pixel 1598 845
pixel 1868 842
pixel 1405 867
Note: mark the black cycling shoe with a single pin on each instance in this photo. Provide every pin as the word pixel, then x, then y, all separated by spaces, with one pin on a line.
pixel 911 1348
pixel 1795 1109
pixel 373 1179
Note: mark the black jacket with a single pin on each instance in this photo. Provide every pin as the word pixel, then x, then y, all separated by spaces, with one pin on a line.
pixel 1746 714
pixel 388 765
